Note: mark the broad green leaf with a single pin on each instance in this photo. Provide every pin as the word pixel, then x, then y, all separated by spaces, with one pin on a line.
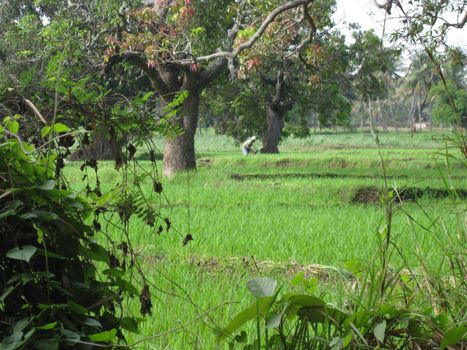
pixel 127 287
pixel 90 322
pixel 243 317
pixel 388 310
pixel 27 216
pixel 306 300
pixel 28 335
pixel 71 337
pixel 76 308
pixel 24 253
pixel 12 342
pixel 10 208
pixel 45 215
pixel 95 252
pixel 21 325
pixel 275 320
pixel 453 336
pixel 45 131
pixel 12 126
pixel 247 315
pixel 59 127
pixel 262 287
pixel 6 292
pixel 114 273
pixel 47 185
pixel 380 331
pixel 130 324
pixel 106 336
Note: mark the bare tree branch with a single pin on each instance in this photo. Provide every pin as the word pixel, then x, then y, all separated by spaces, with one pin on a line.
pixel 137 59
pixel 264 25
pixel 311 34
pixel 458 25
pixel 387 6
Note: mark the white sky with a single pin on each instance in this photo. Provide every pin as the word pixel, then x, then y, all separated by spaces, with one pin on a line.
pixel 368 15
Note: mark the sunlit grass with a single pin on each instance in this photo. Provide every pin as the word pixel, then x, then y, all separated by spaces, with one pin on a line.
pixel 305 219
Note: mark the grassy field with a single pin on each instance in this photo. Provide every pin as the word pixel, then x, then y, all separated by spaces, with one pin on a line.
pixel 312 206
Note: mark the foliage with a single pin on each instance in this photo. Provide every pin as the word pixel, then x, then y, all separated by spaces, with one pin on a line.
pixel 60 285
pixel 442 108
pixel 301 321
pixel 371 59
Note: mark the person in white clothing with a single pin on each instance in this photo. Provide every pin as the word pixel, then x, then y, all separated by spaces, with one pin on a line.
pixel 247 146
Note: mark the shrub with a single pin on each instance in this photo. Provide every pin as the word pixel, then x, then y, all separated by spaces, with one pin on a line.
pixel 59 288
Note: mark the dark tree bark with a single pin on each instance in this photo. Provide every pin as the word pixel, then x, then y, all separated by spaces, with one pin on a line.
pixel 179 151
pixel 275 109
pixel 272 135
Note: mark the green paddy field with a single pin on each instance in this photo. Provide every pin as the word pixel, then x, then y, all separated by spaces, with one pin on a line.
pixel 314 210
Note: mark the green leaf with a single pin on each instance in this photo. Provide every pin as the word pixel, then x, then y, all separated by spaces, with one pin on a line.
pixel 275 320
pixel 95 252
pixel 48 326
pixel 262 306
pixel 106 336
pixel 453 336
pixel 76 308
pixel 243 317
pixel 59 127
pixel 45 215
pixel 127 287
pixel 130 324
pixel 71 337
pixel 114 273
pixel 45 131
pixel 12 342
pixel 21 325
pixel 12 126
pixel 11 208
pixel 90 322
pixel 25 253
pixel 27 216
pixel 47 185
pixel 262 287
pixel 6 292
pixel 380 331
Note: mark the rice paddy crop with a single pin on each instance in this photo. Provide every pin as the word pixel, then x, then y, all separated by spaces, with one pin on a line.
pixel 278 215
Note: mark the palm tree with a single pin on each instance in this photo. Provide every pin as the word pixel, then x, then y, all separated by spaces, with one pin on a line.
pixel 418 81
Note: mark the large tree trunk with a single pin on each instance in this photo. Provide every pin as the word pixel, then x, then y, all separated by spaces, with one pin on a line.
pixel 273 133
pixel 104 146
pixel 275 109
pixel 179 151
